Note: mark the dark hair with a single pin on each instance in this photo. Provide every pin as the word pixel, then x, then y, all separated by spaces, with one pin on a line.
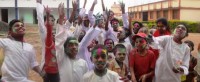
pixel 190 43
pixel 97 47
pixel 114 19
pixel 107 40
pixel 164 22
pixel 67 41
pixel 45 17
pixel 12 22
pixel 118 46
pixel 140 24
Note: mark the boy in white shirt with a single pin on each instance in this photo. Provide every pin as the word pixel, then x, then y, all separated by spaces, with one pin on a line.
pixel 100 72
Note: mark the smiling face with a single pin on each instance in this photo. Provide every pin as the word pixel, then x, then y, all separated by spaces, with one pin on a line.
pixel 18 29
pixel 115 25
pixel 136 28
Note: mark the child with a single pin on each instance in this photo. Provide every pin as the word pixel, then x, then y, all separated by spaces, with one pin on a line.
pixel 118 64
pixel 100 72
pixel 142 60
pixel 193 63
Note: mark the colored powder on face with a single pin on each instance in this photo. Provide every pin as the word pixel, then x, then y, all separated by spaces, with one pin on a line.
pixel 174 31
pixel 122 50
pixel 99 51
pixel 73 41
pixel 14 30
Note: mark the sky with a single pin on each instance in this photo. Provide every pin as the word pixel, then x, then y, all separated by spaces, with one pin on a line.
pixel 108 3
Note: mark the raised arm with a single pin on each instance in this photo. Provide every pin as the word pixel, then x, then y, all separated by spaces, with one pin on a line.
pixel 40 17
pixel 124 15
pixel 49 39
pixel 74 4
pixel 130 25
pixel 103 6
pixel 90 13
pixel 61 30
pixel 83 10
pixel 85 42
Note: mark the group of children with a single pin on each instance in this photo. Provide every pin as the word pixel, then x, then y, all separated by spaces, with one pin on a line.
pixel 94 48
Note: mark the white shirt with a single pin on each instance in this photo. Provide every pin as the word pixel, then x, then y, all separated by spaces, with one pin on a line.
pixel 83 50
pixel 170 52
pixel 110 76
pixel 19 58
pixel 69 70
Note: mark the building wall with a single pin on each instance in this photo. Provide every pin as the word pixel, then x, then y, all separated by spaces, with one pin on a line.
pixel 26 14
pixel 11 14
pixel 190 3
pixel 172 9
pixel 26 8
pixel 7 3
pixel 190 15
pixel 32 3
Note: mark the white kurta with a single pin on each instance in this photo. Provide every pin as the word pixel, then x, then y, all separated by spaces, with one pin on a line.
pixel 83 50
pixel 19 58
pixel 170 52
pixel 69 70
pixel 110 76
pixel 42 29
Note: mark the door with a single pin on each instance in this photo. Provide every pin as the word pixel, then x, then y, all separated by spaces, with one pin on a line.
pixel 4 15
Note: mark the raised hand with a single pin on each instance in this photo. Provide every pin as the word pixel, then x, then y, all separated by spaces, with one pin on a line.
pixel 39 1
pixel 61 13
pixel 74 4
pixel 84 3
pixel 122 5
pixel 47 10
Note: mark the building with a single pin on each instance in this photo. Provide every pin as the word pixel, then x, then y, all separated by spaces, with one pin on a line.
pixel 186 10
pixel 117 10
pixel 27 9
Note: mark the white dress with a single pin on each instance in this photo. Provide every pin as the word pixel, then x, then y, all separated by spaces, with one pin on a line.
pixel 19 58
pixel 170 52
pixel 110 76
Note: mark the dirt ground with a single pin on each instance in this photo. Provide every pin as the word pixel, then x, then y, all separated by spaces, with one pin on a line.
pixel 32 37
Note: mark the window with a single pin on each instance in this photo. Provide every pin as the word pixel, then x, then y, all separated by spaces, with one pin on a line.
pixel 165 14
pixel 140 15
pixel 158 14
pixel 151 14
pixel 175 14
